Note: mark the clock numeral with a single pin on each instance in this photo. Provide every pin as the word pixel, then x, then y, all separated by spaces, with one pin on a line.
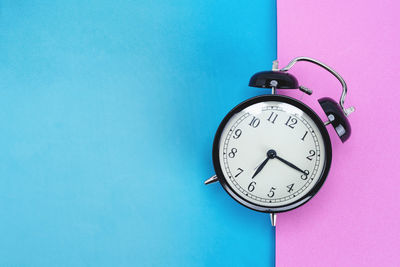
pixel 312 154
pixel 238 133
pixel 271 192
pixel 291 122
pixel 304 136
pixel 304 176
pixel 233 152
pixel 272 117
pixel 290 187
pixel 239 172
pixel 254 122
pixel 252 186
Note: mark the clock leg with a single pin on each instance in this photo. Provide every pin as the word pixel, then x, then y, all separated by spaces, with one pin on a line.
pixel 273 219
pixel 211 180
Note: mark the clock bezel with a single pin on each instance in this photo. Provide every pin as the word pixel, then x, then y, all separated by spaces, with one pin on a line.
pixel 321 128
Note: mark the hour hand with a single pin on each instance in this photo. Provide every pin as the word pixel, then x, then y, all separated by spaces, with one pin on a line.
pixel 289 164
pixel 260 167
pixel 270 155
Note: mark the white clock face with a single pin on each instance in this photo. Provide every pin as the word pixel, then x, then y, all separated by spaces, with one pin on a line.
pixel 271 153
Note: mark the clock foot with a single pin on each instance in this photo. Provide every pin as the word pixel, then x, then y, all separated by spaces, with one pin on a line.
pixel 273 219
pixel 211 180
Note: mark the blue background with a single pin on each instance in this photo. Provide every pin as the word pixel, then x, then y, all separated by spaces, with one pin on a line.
pixel 108 111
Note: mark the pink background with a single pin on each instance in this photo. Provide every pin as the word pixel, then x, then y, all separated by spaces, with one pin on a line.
pixel 354 219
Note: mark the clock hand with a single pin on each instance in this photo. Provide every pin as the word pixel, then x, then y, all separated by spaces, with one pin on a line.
pixel 289 164
pixel 270 154
pixel 260 167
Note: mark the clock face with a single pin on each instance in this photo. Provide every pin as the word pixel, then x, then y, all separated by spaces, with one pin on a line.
pixel 272 152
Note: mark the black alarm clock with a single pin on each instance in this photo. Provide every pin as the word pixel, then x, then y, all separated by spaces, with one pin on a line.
pixel 272 153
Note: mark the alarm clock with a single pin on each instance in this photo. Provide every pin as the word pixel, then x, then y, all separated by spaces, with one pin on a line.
pixel 272 153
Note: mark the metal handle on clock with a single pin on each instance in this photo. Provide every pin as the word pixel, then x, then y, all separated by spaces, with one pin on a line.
pixel 346 111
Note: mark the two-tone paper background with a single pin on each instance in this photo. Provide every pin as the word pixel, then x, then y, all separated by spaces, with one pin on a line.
pixel 108 111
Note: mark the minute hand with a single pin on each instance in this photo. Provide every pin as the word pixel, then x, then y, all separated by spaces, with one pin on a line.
pixel 289 164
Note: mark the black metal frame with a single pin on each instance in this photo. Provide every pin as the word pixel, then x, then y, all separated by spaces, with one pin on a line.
pixel 313 116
